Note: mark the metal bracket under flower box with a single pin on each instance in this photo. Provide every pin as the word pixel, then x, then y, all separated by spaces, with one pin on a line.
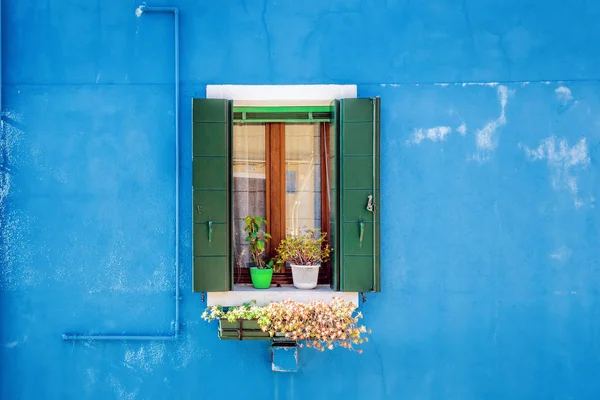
pixel 284 356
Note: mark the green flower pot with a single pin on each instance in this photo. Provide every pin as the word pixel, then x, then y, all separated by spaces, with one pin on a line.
pixel 261 278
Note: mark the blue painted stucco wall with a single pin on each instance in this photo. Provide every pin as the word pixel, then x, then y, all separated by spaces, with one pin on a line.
pixel 490 149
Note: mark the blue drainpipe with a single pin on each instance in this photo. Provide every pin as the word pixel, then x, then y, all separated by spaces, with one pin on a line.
pixel 139 11
pixel 1 131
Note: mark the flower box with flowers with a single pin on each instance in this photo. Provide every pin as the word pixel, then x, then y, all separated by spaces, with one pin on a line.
pixel 318 324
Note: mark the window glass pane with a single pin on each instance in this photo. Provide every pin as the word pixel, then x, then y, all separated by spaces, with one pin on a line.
pixel 303 176
pixel 249 183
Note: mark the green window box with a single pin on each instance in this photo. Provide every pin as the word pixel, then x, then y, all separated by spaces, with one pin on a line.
pixel 241 330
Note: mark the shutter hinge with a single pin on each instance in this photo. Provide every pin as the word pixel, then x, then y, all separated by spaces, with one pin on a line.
pixel 363 297
pixel 203 297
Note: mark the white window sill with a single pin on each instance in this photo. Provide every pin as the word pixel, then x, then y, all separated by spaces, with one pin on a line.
pixel 245 293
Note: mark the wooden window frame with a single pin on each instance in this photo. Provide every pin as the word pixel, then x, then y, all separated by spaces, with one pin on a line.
pixel 275 199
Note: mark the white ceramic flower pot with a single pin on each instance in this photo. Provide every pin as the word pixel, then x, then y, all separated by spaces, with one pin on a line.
pixel 305 276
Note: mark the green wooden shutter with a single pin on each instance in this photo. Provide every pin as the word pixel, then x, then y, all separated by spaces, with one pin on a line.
pixel 211 178
pixel 358 253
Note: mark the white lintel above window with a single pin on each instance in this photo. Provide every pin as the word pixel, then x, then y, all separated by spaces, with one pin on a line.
pixel 281 95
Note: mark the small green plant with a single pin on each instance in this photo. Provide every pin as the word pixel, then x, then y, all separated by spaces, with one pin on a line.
pixel 244 312
pixel 317 324
pixel 307 247
pixel 257 239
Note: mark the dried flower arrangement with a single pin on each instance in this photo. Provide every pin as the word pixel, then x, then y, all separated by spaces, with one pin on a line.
pixel 317 324
pixel 304 251
pixel 308 247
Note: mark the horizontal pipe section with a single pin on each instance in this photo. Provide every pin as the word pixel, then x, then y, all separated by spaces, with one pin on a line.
pixel 160 9
pixel 68 337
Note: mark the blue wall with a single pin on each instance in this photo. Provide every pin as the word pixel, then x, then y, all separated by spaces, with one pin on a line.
pixel 490 229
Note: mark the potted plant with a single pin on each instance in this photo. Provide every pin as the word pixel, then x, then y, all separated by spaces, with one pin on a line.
pixel 305 252
pixel 261 272
pixel 317 324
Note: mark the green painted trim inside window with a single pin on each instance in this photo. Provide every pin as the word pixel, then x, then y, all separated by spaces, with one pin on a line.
pixel 282 114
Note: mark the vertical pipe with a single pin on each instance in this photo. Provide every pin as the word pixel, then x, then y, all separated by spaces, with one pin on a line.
pixel 140 10
pixel 177 169
pixel 1 132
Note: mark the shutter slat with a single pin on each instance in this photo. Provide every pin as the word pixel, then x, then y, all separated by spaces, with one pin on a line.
pixel 211 177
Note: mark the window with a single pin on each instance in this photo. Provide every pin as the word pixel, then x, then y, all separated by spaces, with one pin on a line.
pixel 279 173
pixel 298 166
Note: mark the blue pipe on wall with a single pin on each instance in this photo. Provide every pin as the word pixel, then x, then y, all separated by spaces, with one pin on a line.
pixel 139 11
pixel 174 336
pixel 1 132
pixel 3 158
